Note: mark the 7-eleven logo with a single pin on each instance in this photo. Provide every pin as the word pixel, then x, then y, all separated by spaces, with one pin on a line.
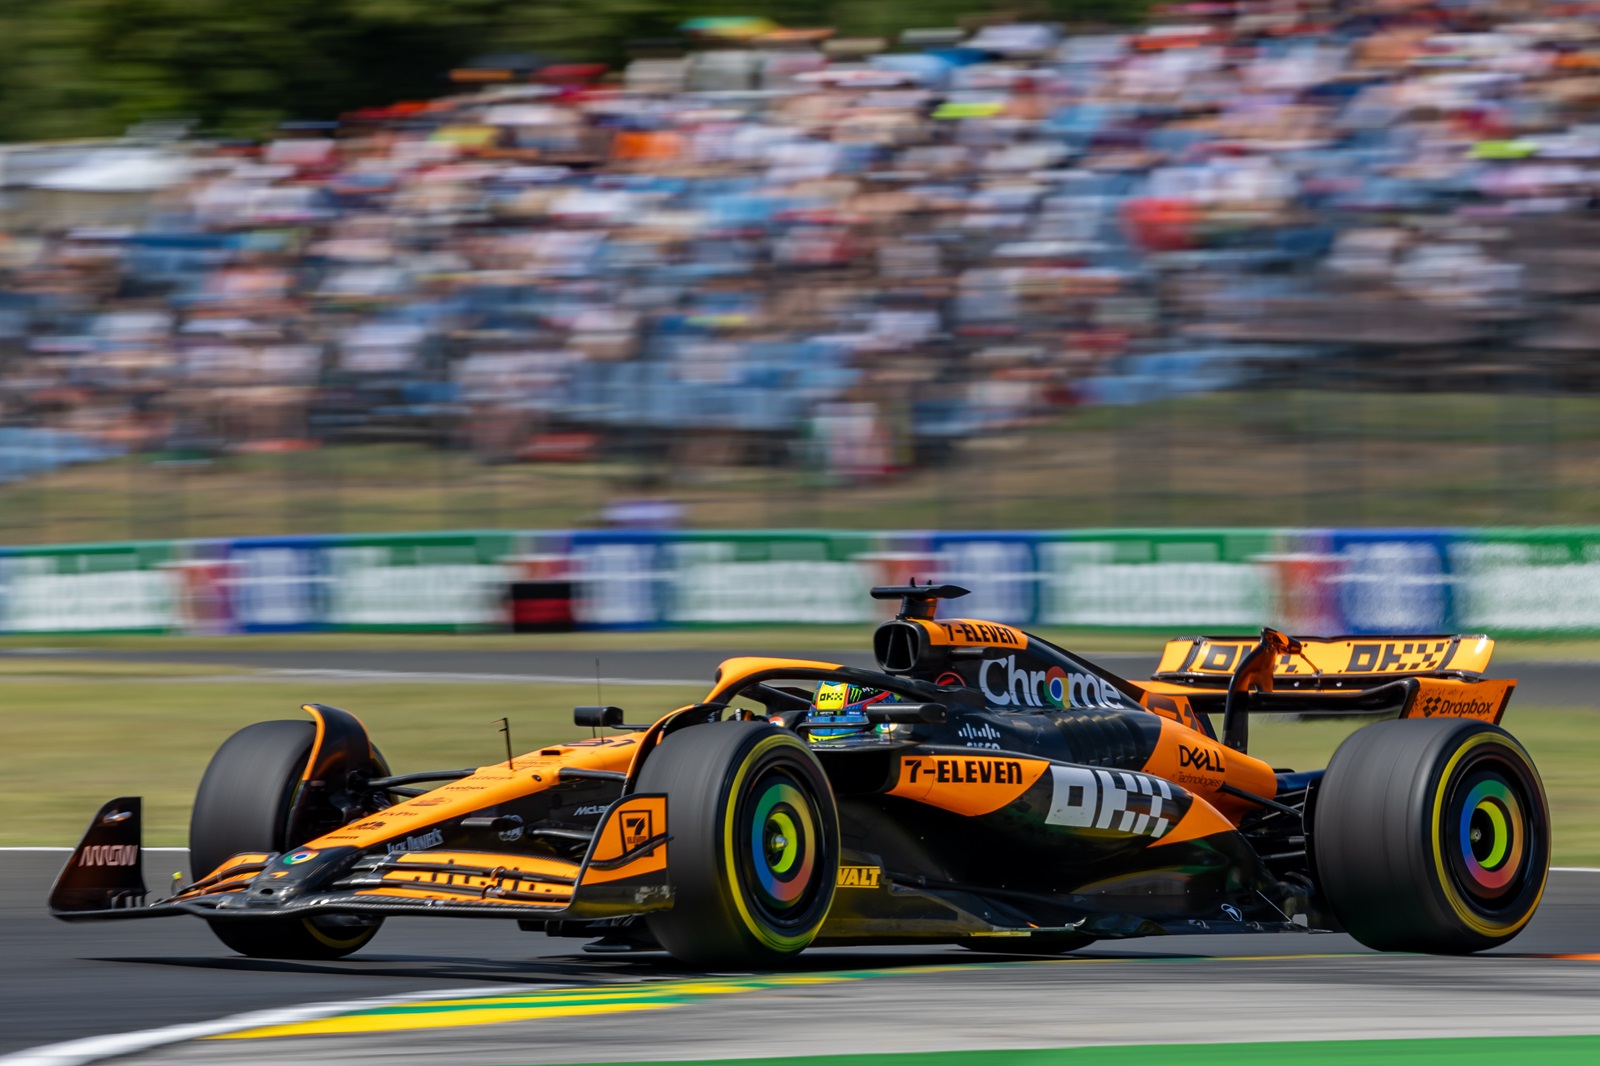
pixel 637 827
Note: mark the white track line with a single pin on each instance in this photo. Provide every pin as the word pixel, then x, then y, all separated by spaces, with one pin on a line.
pixel 96 1048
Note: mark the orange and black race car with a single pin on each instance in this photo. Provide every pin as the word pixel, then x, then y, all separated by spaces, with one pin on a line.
pixel 982 787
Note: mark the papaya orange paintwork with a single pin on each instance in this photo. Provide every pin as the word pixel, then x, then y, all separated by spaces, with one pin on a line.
pixel 969 785
pixel 735 670
pixel 1193 760
pixel 631 824
pixel 490 785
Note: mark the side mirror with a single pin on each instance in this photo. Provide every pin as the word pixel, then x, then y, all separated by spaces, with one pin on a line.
pixel 910 713
pixel 597 717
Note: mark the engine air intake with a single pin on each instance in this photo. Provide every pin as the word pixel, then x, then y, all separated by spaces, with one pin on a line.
pixel 899 647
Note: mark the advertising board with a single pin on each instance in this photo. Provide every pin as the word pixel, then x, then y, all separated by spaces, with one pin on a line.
pixel 1312 581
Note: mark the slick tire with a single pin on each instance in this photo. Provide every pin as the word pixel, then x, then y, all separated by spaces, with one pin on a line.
pixel 243 804
pixel 1432 835
pixel 754 851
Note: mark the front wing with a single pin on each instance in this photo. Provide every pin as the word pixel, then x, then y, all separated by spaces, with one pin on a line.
pixel 624 872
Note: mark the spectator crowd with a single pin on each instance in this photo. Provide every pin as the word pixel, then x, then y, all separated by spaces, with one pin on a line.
pixel 782 247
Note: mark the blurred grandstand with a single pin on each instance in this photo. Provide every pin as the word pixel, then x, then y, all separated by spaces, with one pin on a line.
pixel 1255 263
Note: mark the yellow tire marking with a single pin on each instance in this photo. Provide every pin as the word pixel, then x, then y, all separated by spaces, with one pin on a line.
pixel 1452 895
pixel 776 941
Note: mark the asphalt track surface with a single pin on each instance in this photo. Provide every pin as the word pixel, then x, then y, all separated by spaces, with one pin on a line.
pixel 1540 684
pixel 67 981
pixel 61 982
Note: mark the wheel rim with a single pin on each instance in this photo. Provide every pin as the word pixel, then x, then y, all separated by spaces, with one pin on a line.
pixel 1486 834
pixel 781 840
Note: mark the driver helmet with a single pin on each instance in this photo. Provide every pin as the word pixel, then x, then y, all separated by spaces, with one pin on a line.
pixel 840 710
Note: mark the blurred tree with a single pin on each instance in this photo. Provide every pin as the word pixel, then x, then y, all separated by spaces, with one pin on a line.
pixel 92 67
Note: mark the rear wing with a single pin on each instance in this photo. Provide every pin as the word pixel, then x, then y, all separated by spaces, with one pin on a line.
pixel 1409 677
pixel 1329 662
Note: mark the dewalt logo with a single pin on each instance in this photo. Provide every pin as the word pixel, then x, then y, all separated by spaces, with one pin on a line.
pixel 857 877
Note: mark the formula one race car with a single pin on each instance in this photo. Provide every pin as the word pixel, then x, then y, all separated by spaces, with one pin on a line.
pixel 983 787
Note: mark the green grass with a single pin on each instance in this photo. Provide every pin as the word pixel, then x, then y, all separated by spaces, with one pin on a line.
pixel 73 742
pixel 1270 458
pixel 1449 1051
pixel 774 638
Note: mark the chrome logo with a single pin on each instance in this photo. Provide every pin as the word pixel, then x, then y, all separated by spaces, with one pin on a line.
pixel 296 857
pixel 1055 686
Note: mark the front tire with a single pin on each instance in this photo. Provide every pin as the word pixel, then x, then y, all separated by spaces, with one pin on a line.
pixel 243 804
pixel 1432 835
pixel 754 855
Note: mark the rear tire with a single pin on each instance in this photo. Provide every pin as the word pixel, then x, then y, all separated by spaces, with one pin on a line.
pixel 754 855
pixel 243 804
pixel 1432 835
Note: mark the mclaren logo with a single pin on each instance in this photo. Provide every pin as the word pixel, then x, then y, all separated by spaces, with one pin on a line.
pixel 115 817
